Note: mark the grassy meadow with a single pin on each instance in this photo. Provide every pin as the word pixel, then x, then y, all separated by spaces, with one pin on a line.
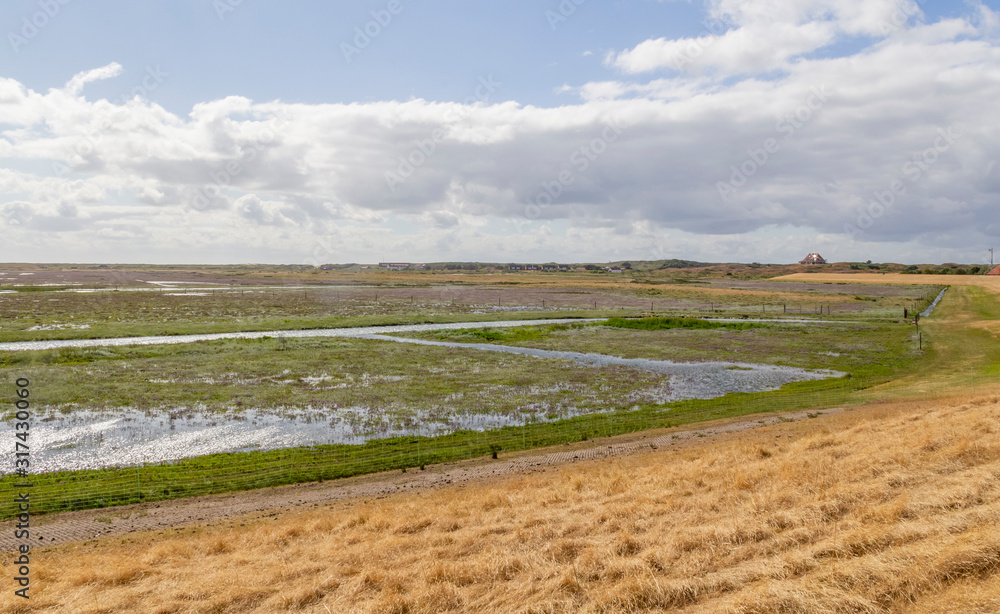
pixel 864 349
pixel 135 309
pixel 386 386
pixel 888 506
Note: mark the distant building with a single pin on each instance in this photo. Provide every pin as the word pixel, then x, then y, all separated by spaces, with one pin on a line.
pixel 326 267
pixel 995 270
pixel 813 258
pixel 550 267
pixel 615 269
pixel 399 266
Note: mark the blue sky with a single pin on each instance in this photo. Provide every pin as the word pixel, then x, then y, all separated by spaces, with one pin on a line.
pixel 507 111
pixel 292 51
pixel 267 50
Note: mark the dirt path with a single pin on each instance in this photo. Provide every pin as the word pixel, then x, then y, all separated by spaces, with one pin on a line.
pixel 55 529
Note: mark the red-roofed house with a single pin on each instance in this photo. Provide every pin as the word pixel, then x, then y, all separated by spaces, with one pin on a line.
pixel 995 270
pixel 813 258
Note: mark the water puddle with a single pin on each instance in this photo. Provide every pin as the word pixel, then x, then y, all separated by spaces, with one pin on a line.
pixel 688 380
pixel 937 299
pixel 92 439
pixel 360 331
pixel 89 438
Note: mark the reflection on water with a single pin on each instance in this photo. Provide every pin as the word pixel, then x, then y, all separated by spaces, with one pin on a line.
pixel 688 380
pixel 86 438
pixel 930 308
pixel 89 439
pixel 14 346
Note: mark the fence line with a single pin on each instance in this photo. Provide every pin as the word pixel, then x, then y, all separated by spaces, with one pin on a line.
pixel 229 472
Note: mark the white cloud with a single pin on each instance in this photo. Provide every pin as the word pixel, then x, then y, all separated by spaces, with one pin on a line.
pixel 747 49
pixel 753 36
pixel 241 180
pixel 987 20
pixel 75 85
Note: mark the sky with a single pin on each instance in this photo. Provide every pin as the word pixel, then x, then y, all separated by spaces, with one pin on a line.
pixel 257 131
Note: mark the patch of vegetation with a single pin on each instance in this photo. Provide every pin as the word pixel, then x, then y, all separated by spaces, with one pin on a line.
pixel 866 350
pixel 521 333
pixel 284 373
pixel 27 289
pixel 668 323
pixel 674 263
pixel 120 322
pixel 502 336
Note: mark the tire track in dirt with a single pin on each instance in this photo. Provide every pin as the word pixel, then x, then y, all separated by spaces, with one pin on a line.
pixel 53 529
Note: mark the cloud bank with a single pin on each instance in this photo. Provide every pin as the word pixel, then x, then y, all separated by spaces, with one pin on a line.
pixel 747 142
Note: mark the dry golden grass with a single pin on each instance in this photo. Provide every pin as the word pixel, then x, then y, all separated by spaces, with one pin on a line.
pixel 991 282
pixel 888 508
pixel 608 283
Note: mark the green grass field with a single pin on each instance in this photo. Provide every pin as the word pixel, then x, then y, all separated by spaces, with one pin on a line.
pixel 862 349
pixel 284 374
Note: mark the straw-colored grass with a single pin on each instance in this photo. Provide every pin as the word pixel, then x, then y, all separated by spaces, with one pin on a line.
pixel 886 508
pixel 990 282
